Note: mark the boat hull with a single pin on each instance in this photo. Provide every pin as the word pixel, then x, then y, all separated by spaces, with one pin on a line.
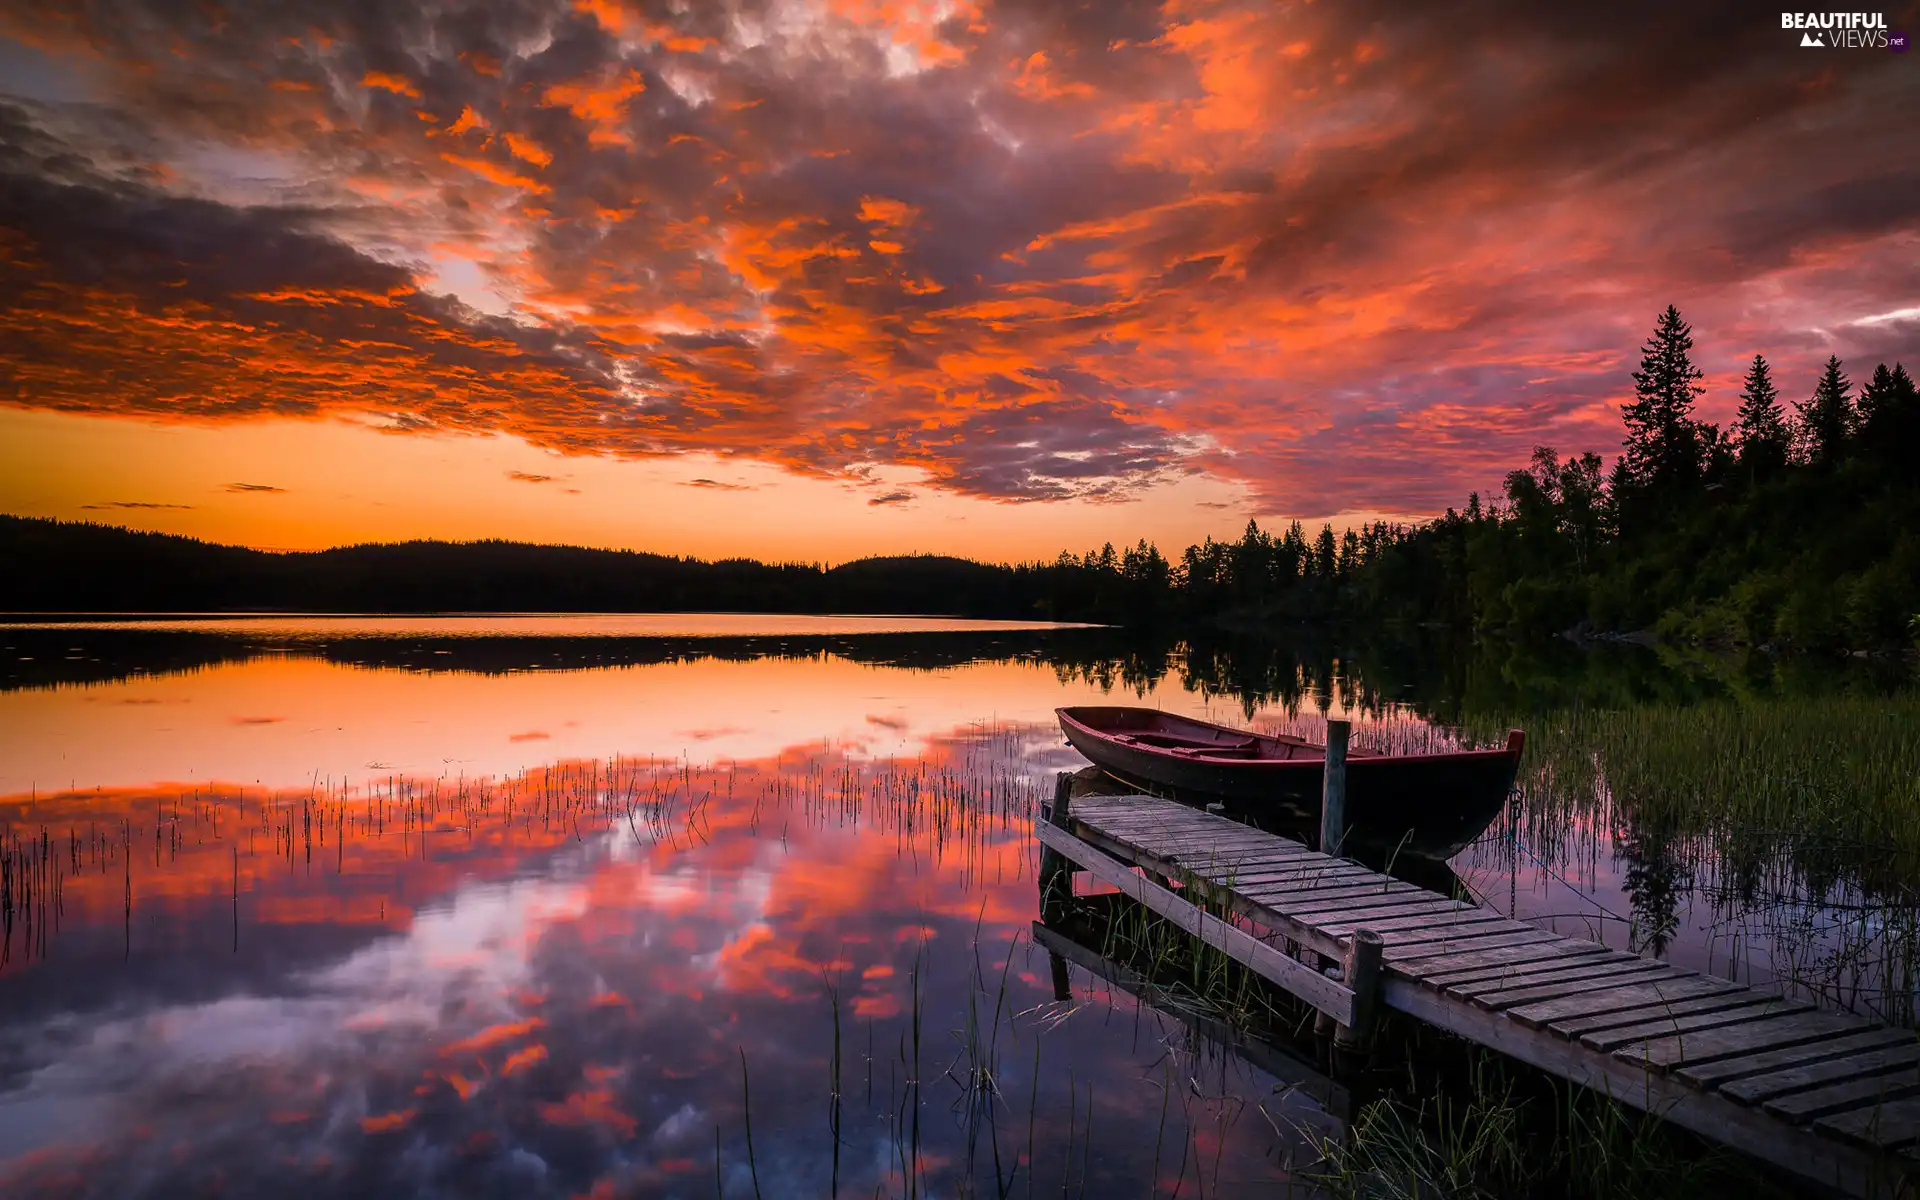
pixel 1432 804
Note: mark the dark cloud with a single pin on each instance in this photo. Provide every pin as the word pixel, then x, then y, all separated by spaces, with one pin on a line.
pixel 1355 256
pixel 716 485
pixel 255 488
pixel 526 477
pixel 134 504
pixel 892 498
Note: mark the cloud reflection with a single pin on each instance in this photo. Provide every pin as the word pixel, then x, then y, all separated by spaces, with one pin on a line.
pixel 531 985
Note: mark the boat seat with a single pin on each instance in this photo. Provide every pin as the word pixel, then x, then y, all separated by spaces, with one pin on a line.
pixel 1173 741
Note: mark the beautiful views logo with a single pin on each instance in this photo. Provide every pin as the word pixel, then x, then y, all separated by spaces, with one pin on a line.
pixel 1838 30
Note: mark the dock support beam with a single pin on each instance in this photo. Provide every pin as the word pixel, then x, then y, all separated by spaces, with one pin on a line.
pixel 1056 870
pixel 1363 980
pixel 1062 985
pixel 1333 788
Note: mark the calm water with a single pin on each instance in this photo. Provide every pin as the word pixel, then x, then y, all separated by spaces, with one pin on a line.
pixel 546 907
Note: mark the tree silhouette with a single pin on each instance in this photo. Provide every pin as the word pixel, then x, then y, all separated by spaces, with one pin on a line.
pixel 1890 414
pixel 1826 417
pixel 1760 429
pixel 1663 444
pixel 1324 553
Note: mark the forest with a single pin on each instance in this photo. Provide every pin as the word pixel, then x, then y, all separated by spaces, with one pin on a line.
pixel 1798 526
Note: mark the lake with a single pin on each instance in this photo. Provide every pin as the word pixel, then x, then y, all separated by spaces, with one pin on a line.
pixel 741 905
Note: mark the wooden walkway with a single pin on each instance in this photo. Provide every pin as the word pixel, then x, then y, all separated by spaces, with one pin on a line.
pixel 1833 1098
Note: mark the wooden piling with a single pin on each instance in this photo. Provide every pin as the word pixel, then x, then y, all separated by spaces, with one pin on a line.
pixel 1333 788
pixel 1056 870
pixel 1062 985
pixel 1362 977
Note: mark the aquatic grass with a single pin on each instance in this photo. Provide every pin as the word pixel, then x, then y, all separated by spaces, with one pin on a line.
pixel 1497 1134
pixel 746 1113
pixel 1795 820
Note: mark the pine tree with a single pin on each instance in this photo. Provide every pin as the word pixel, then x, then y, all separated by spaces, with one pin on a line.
pixel 1663 448
pixel 1761 426
pixel 1890 416
pixel 1324 552
pixel 1826 418
pixel 1876 402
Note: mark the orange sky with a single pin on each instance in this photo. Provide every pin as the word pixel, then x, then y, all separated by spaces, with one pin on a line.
pixel 821 280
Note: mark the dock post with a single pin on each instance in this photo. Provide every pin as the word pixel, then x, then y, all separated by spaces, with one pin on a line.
pixel 1056 872
pixel 1363 980
pixel 1062 985
pixel 1333 788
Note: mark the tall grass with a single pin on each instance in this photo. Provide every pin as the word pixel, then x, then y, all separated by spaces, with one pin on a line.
pixel 1796 821
pixel 1494 1136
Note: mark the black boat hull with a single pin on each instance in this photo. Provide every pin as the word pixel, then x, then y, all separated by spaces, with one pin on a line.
pixel 1433 805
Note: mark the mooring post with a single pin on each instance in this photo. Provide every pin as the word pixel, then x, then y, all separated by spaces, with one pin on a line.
pixel 1363 980
pixel 1333 788
pixel 1056 870
pixel 1062 986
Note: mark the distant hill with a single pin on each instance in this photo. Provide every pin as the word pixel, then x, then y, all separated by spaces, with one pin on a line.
pixel 61 566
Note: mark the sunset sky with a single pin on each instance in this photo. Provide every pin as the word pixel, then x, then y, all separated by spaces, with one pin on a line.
pixel 871 276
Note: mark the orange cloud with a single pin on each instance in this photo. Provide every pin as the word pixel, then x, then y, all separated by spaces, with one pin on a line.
pixel 388 1122
pixel 468 120
pixel 1338 259
pixel 602 104
pixel 398 84
pixel 595 1106
pixel 527 149
pixel 524 1059
pixel 493 1035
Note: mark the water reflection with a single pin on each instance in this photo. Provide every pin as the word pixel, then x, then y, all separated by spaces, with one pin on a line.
pixel 553 981
pixel 487 913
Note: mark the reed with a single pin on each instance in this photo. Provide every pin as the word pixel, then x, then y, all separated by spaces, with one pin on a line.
pixel 1796 821
pixel 746 1112
pixel 1503 1134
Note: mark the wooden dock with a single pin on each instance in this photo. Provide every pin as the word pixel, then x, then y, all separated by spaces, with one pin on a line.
pixel 1833 1098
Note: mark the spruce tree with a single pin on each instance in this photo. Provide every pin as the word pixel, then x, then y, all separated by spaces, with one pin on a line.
pixel 1826 417
pixel 1324 552
pixel 1903 403
pixel 1876 401
pixel 1761 426
pixel 1663 448
pixel 1889 416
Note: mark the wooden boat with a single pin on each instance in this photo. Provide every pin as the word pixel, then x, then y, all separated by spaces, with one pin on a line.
pixel 1432 804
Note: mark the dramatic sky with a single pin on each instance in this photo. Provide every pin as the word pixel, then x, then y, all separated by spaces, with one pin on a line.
pixel 820 280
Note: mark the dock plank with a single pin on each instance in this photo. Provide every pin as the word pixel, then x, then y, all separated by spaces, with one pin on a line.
pixel 1526 954
pixel 1207 844
pixel 1596 991
pixel 1823 1095
pixel 1318 873
pixel 1384 907
pixel 1406 951
pixel 1667 1053
pixel 1303 896
pixel 1756 1089
pixel 1750 1006
pixel 1561 981
pixel 1470 917
pixel 1845 1094
pixel 1298 978
pixel 1719 1072
pixel 1547 1010
pixel 1339 890
pixel 1895 1125
pixel 1574 1027
pixel 1447 974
